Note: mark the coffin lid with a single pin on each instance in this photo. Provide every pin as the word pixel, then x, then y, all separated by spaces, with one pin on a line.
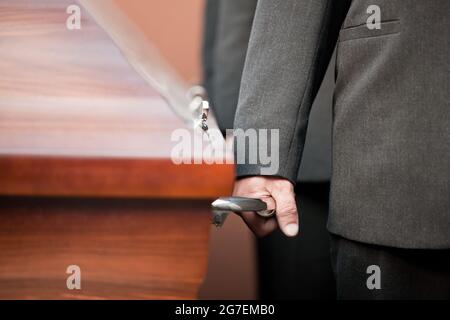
pixel 77 119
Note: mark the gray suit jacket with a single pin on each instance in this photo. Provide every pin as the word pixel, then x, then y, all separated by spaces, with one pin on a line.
pixel 391 127
pixel 227 28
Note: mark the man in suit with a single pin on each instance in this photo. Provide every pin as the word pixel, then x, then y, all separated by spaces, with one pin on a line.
pixel 289 268
pixel 390 204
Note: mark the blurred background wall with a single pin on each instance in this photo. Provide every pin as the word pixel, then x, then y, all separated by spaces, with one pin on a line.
pixel 175 28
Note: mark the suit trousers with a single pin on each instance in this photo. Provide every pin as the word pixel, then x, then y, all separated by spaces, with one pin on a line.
pixel 372 272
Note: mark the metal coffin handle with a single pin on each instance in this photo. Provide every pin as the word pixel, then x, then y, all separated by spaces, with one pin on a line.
pixel 224 205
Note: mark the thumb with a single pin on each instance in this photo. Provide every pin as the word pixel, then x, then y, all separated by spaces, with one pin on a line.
pixel 286 213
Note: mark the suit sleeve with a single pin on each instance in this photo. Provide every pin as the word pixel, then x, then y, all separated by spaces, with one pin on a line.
pixel 210 23
pixel 233 33
pixel 289 51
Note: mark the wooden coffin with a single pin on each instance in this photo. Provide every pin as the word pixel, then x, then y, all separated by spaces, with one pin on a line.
pixel 86 177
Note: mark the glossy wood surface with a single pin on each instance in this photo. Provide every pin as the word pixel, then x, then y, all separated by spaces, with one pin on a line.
pixel 67 95
pixel 86 176
pixel 126 249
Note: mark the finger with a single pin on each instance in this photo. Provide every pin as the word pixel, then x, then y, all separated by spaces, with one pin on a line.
pixel 286 210
pixel 260 226
pixel 270 201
